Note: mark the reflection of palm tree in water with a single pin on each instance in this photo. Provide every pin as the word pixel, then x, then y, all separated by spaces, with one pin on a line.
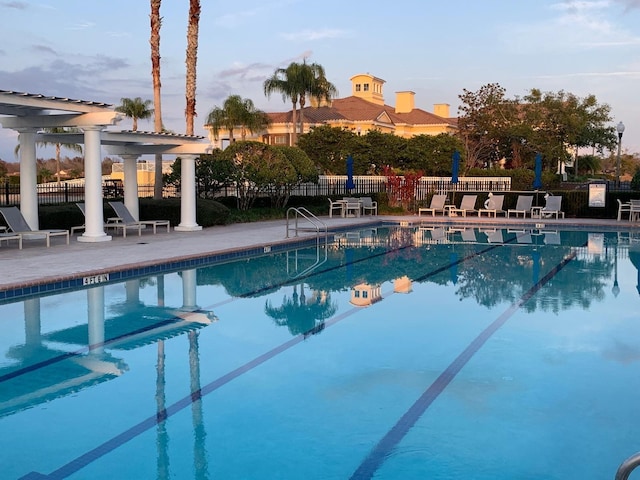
pixel 302 315
pixel 200 462
pixel 162 437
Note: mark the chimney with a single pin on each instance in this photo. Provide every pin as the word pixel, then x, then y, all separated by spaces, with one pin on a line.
pixel 442 110
pixel 405 101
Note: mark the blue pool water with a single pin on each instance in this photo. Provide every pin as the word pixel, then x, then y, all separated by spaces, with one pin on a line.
pixel 391 353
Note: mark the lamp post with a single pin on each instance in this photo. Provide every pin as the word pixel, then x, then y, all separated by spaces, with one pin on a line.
pixel 620 129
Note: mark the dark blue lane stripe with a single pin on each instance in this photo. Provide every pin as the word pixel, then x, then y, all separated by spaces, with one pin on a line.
pixel 150 422
pixel 382 450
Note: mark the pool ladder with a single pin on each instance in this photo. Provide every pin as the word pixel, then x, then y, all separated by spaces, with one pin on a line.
pixel 628 466
pixel 300 212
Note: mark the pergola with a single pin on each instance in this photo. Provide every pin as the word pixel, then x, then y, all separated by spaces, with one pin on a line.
pixel 29 113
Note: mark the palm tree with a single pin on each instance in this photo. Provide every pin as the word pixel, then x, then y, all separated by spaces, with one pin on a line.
pixel 296 82
pixel 237 112
pixel 287 81
pixel 156 23
pixel 319 88
pixel 192 57
pixel 135 108
pixel 58 145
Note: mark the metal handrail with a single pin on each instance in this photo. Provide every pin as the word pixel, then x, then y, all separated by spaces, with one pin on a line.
pixel 310 217
pixel 628 466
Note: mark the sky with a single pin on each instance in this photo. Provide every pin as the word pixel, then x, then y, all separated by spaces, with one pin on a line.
pixel 99 50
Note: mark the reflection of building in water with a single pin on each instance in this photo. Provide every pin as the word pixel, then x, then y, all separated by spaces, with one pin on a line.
pixel 365 295
pixel 402 285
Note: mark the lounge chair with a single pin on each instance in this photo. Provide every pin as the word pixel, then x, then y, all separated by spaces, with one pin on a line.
pixel 19 226
pixel 494 235
pixel 523 206
pixel 552 207
pixel 125 220
pixel 437 205
pixel 634 212
pixel 467 206
pixel 11 236
pixel 493 206
pixel 368 205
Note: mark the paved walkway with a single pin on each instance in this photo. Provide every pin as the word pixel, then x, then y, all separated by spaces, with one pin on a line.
pixel 35 264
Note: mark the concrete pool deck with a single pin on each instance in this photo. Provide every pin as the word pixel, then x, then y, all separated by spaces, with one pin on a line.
pixel 36 265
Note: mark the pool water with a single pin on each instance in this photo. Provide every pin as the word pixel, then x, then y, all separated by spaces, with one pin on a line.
pixel 389 353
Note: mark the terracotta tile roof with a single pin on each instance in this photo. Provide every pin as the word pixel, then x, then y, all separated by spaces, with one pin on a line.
pixel 356 109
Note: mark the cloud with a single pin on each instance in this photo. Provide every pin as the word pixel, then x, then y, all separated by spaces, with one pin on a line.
pixel 80 79
pixel 44 49
pixel 311 35
pixel 81 26
pixel 231 20
pixel 16 5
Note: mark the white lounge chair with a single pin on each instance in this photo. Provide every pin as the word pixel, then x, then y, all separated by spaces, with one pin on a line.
pixel 437 205
pixel 19 226
pixel 523 206
pixel 552 207
pixel 11 236
pixel 125 220
pixel 467 206
pixel 493 206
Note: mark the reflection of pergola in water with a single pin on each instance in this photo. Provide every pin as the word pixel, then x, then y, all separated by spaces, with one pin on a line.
pixel 28 114
pixel 72 372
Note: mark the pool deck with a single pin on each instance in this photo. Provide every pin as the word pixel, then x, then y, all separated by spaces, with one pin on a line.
pixel 36 265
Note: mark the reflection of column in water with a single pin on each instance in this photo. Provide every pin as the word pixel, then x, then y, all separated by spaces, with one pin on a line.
pixel 189 290
pixel 199 449
pixel 160 290
pixel 32 322
pixel 132 289
pixel 162 436
pixel 95 311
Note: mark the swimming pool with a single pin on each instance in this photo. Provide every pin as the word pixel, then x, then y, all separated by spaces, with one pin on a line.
pixel 393 353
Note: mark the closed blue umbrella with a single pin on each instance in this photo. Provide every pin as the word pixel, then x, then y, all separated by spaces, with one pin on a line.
pixel 455 167
pixel 537 181
pixel 350 184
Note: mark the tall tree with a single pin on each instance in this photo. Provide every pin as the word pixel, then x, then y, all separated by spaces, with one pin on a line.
pixel 58 145
pixel 135 108
pixel 296 82
pixel 192 58
pixel 237 112
pixel 288 82
pixel 316 86
pixel 154 41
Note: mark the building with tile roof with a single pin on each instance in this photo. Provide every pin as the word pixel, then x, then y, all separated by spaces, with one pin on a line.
pixel 364 110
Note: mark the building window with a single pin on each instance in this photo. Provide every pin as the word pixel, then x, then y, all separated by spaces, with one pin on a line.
pixel 365 294
pixel 280 140
pixel 357 87
pixel 366 87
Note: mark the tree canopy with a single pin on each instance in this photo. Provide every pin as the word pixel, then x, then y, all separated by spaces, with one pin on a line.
pixel 136 109
pixel 237 112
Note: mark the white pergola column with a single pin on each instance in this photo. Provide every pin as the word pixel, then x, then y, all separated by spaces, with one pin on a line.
pixel 188 195
pixel 28 177
pixel 94 213
pixel 131 185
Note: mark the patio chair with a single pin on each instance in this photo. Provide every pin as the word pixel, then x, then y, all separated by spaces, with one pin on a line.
pixel 552 207
pixel 634 212
pixel 369 205
pixel 125 220
pixel 437 205
pixel 352 206
pixel 467 205
pixel 523 206
pixel 493 205
pixel 624 208
pixel 19 226
pixel 337 206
